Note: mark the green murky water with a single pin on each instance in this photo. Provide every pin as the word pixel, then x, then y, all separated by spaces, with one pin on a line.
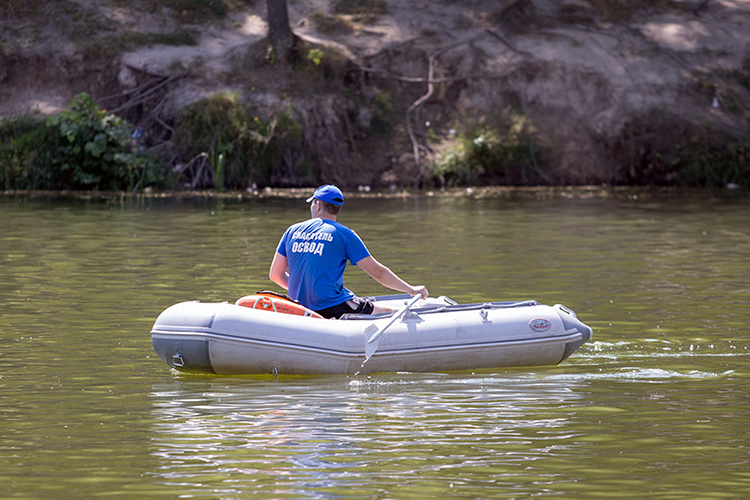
pixel 656 406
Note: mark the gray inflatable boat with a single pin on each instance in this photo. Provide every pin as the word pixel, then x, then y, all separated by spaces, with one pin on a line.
pixel 432 335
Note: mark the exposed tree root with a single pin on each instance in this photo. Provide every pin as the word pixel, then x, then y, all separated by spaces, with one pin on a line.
pixel 431 81
pixel 147 103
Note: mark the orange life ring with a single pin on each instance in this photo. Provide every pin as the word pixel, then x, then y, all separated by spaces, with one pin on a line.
pixel 274 303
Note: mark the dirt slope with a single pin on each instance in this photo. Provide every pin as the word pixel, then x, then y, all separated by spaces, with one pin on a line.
pixel 581 77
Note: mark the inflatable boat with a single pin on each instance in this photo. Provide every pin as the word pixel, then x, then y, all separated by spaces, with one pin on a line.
pixel 256 336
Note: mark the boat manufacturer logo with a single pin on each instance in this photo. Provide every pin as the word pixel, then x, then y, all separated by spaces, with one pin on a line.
pixel 540 324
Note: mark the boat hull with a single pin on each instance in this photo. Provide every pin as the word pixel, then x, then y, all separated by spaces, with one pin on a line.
pixel 226 339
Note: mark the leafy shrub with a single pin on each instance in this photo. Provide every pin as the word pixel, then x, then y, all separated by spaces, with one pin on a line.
pixel 253 148
pixel 330 25
pixel 83 147
pixel 94 149
pixel 504 153
pixel 383 115
pixel 660 148
pixel 316 56
pixel 366 11
pixel 26 147
pixel 322 68
pixel 699 163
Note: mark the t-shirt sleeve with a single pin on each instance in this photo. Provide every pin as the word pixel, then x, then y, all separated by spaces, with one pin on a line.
pixel 281 248
pixel 356 249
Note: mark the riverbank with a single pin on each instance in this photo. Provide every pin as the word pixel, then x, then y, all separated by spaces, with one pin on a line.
pixel 404 93
pixel 634 193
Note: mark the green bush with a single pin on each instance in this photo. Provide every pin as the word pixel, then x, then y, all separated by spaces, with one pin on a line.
pixel 94 149
pixel 504 153
pixel 83 147
pixel 383 115
pixel 664 149
pixel 252 147
pixel 330 25
pixel 26 149
pixel 699 163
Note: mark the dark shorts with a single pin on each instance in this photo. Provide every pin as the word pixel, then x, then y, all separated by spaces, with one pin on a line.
pixel 357 305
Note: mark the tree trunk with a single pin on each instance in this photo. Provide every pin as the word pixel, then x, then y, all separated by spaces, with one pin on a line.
pixel 283 41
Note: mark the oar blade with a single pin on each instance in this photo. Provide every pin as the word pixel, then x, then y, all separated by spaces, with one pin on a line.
pixel 370 347
pixel 372 333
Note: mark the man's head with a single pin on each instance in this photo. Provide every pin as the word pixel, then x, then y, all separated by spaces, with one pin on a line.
pixel 330 197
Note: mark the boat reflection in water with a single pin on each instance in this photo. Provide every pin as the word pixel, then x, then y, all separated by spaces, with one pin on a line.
pixel 314 436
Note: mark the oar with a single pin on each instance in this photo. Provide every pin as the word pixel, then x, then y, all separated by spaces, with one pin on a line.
pixel 371 345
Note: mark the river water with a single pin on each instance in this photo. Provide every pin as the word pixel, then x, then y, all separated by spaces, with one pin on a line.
pixel 657 405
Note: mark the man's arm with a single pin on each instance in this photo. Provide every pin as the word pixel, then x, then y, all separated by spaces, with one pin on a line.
pixel 277 273
pixel 388 278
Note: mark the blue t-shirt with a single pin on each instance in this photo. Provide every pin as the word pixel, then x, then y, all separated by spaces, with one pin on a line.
pixel 317 251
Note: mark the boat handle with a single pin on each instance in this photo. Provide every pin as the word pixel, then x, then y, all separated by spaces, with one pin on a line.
pixel 273 304
pixel 177 360
pixel 565 309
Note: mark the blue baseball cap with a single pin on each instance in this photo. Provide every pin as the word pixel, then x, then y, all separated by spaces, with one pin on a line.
pixel 328 193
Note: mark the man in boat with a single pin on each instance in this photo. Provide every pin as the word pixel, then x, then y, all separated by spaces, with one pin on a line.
pixel 315 253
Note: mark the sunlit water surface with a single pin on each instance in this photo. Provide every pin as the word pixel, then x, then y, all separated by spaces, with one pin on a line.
pixel 656 406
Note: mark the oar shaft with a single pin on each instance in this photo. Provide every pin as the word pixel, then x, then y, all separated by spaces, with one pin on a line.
pixel 395 318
